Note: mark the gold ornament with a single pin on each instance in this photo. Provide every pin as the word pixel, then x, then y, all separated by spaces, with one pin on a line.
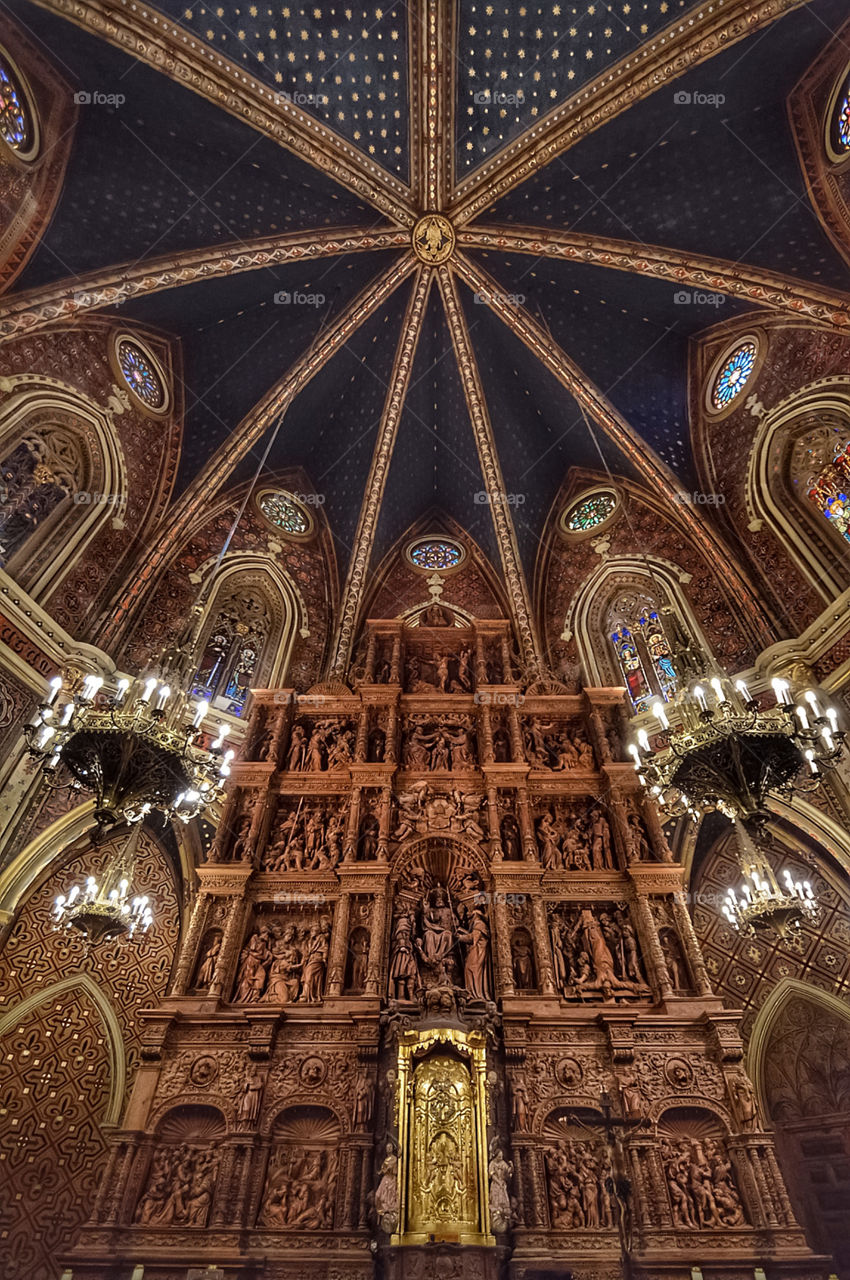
pixel 433 239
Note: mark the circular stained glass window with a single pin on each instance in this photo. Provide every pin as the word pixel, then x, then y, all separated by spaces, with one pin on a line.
pixel 17 128
pixel 281 510
pixel 733 374
pixel 590 511
pixel 435 553
pixel 842 120
pixel 141 375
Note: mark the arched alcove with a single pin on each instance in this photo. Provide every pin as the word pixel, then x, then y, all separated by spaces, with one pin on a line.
pixel 63 476
pixel 799 451
pixel 303 1170
pixel 799 1059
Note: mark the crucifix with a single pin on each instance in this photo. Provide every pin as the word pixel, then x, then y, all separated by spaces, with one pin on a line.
pixel 617 1182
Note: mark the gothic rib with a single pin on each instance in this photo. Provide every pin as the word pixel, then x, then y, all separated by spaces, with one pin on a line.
pixel 432 102
pixel 491 471
pixel 27 312
pixel 156 41
pixel 616 428
pixel 361 552
pixel 764 288
pixel 683 45
pixel 248 433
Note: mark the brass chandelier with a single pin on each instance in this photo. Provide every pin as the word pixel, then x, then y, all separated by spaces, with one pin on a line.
pixel 137 747
pixel 717 748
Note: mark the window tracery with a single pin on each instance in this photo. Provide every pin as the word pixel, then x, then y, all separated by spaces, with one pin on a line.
pixel 733 374
pixel 283 511
pixel 231 652
pixel 37 475
pixel 141 374
pixel 16 121
pixel 642 647
pixel 823 455
pixel 435 554
pixel 590 511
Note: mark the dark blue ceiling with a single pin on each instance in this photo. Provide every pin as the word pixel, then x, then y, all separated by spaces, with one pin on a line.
pixel 518 61
pixel 435 463
pixel 629 335
pixel 720 180
pixel 539 429
pixel 239 335
pixel 344 64
pixel 164 171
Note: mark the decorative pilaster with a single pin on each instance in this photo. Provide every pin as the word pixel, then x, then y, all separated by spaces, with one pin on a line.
pixel 693 953
pixel 189 950
pixel 541 945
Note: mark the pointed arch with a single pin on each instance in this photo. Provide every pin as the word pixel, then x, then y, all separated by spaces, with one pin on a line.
pixel 95 484
pixel 587 613
pixel 776 497
pixel 769 1017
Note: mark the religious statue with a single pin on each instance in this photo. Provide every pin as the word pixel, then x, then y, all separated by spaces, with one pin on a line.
pixel 500 1170
pixel 362 1104
pixel 522 955
pixel 386 1194
pixel 519 1095
pixel 437 940
pixel 404 973
pixel 746 1107
pixel 207 966
pixel 476 974
pixel 252 1092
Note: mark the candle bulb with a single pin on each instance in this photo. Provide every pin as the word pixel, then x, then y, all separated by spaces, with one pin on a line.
pixel 635 753
pixel 201 709
pixel 660 714
pixel 222 734
pixel 162 697
pixel 742 689
pixel 801 716
pixel 782 691
pixel 718 688
pixel 832 717
pixel 810 756
pixel 55 686
pixel 121 691
pixel 699 694
pixel 148 690
pixel 809 695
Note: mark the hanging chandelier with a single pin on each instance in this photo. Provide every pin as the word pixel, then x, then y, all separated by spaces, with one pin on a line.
pixel 137 747
pixel 106 910
pixel 761 902
pixel 717 748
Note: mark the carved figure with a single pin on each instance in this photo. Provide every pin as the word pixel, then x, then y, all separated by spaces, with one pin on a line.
pixel 297 745
pixel 404 973
pixel 522 954
pixel 476 975
pixel 315 962
pixel 500 1171
pixel 252 1092
pixel 206 969
pixel 386 1194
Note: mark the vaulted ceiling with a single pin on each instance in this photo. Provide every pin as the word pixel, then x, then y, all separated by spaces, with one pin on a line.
pixel 289 150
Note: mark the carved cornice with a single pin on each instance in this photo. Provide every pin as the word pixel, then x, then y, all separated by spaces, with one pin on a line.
pixel 251 429
pixel 491 471
pixel 370 509
pixel 432 98
pixel 151 38
pixel 764 288
pixel 678 49
pixel 609 421
pixel 26 312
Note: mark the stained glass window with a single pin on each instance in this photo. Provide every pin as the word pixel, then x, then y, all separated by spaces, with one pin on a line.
pixel 829 490
pixel 436 553
pixel 842 120
pixel 733 375
pixel 15 123
pixel 590 511
pixel 229 660
pixel 643 650
pixel 282 510
pixel 140 375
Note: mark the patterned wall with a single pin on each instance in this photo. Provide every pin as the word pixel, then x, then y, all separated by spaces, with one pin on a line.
pixel 55 1075
pixel 745 970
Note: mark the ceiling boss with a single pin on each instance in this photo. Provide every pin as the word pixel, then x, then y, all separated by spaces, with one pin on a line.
pixel 433 239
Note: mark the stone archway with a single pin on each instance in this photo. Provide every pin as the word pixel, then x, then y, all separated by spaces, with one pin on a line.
pixel 799 1058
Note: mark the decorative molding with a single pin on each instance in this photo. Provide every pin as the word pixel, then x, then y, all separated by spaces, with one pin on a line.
pixel 250 430
pixel 432 99
pixel 151 38
pixel 682 46
pixel 613 425
pixel 370 509
pixel 764 288
pixel 491 471
pixel 37 308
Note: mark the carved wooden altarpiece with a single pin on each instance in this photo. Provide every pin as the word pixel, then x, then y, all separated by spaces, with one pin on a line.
pixel 440 1009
